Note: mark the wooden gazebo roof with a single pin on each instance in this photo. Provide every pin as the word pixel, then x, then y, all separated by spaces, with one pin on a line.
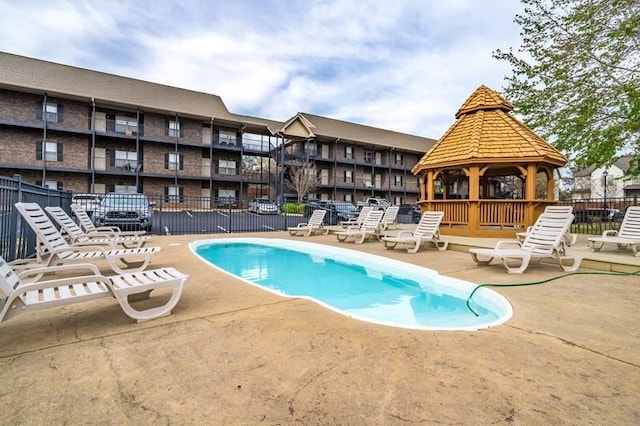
pixel 485 132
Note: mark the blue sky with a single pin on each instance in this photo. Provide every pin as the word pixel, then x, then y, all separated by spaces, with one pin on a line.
pixel 403 65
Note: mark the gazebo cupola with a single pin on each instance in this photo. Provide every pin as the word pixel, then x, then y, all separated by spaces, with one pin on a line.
pixel 483 171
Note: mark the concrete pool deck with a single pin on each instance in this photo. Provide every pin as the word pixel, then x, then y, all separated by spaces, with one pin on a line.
pixel 232 353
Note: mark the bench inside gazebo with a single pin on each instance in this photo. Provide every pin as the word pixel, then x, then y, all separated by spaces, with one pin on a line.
pixel 489 173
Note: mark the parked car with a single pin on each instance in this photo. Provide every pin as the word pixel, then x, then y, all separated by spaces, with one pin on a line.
pixel 411 210
pixel 126 211
pixel 87 202
pixel 597 215
pixel 338 211
pixel 263 206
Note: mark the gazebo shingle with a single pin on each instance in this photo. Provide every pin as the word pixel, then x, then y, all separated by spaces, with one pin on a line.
pixel 486 132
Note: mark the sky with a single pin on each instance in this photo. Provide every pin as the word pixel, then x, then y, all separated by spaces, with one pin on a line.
pixel 402 65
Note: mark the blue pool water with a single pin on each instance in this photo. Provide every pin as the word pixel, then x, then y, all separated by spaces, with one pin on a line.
pixel 362 286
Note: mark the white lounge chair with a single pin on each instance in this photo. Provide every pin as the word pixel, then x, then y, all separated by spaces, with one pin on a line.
pixel 89 228
pixel 628 236
pixel 370 227
pixel 389 218
pixel 83 282
pixel 427 231
pixel 545 239
pixel 53 249
pixel 357 221
pixel 77 236
pixel 569 238
pixel 315 224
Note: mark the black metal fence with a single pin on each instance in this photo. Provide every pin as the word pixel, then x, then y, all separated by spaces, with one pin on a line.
pixel 173 215
pixel 18 241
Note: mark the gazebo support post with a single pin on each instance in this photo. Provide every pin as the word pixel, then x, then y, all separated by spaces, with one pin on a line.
pixel 474 199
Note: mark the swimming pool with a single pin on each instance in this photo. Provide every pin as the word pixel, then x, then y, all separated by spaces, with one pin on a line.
pixel 359 285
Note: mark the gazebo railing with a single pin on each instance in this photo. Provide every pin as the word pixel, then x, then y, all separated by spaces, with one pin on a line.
pixel 485 217
pixel 503 213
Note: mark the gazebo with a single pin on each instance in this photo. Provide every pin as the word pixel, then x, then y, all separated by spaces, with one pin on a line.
pixel 489 173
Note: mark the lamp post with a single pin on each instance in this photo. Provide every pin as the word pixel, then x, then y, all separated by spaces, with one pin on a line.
pixel 605 174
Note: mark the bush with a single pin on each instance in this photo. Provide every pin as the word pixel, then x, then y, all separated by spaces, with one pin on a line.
pixel 293 208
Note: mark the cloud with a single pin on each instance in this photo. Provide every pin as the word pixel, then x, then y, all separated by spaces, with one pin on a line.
pixel 402 65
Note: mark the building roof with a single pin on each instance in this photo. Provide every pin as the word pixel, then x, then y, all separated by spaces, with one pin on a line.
pixel 485 132
pixel 623 163
pixel 38 76
pixel 304 125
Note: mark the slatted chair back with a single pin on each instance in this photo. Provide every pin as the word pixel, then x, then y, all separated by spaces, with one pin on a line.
pixel 630 226
pixel 548 233
pixel 429 224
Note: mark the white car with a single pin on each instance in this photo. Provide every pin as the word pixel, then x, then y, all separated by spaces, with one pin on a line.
pixel 87 202
pixel 263 206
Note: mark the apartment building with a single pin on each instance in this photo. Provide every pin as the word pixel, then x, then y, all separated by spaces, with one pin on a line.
pixel 75 129
pixel 355 161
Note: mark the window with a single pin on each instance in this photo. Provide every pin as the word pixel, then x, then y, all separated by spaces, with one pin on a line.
pixel 126 125
pixel 311 149
pixel 368 182
pixel 324 176
pixel 50 184
pixel 397 181
pixel 378 181
pixel 49 111
pixel 378 156
pixel 348 152
pixel 325 151
pixel 227 167
pixel 174 194
pixel 49 151
pixel 227 137
pixel 348 176
pixel 399 158
pixel 227 197
pixel 368 156
pixel 348 197
pixel 173 161
pixel 174 129
pixel 128 160
pixel 397 201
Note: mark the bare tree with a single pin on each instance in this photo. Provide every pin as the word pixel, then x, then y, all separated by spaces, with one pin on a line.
pixel 302 178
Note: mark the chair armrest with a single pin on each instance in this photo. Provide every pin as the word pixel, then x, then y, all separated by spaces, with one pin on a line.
pixel 84 267
pixel 609 233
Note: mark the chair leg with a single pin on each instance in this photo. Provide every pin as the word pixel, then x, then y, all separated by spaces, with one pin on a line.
pixel 575 263
pixel 519 269
pixel 389 244
pixel 480 262
pixel 595 245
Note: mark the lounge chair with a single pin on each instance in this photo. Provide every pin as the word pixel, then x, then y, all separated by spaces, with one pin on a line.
pixel 627 236
pixel 315 224
pixel 357 221
pixel 569 239
pixel 77 236
pixel 427 231
pixel 370 227
pixel 52 249
pixel 87 225
pixel 545 239
pixel 389 218
pixel 83 282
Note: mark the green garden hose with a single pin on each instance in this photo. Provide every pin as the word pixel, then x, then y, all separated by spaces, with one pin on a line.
pixel 544 281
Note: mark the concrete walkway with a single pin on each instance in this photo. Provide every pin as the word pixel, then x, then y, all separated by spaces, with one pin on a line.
pixel 233 354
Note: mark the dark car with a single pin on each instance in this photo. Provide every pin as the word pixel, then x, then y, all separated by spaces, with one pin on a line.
pixel 126 211
pixel 337 211
pixel 410 212
pixel 593 215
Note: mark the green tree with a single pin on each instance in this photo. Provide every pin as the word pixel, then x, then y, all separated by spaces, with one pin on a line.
pixel 576 77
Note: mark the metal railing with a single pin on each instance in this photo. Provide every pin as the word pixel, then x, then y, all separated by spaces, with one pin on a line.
pixel 17 240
